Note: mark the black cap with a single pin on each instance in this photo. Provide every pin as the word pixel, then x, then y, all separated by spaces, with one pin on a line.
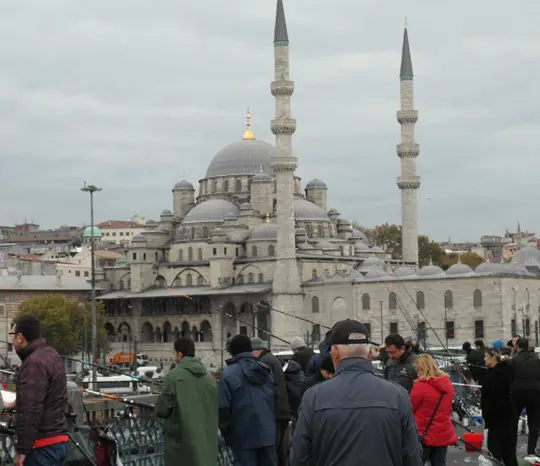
pixel 343 329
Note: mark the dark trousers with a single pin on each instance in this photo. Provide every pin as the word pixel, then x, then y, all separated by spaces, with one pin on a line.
pixel 502 443
pixel 437 455
pixel 282 442
pixel 53 455
pixel 530 401
pixel 265 456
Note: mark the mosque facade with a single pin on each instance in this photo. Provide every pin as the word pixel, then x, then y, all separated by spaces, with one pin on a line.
pixel 252 252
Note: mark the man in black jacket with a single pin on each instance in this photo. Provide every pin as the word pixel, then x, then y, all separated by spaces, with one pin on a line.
pixel 475 362
pixel 302 354
pixel 399 368
pixel 325 372
pixel 526 389
pixel 283 414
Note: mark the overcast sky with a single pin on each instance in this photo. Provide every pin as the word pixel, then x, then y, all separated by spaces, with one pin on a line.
pixel 129 94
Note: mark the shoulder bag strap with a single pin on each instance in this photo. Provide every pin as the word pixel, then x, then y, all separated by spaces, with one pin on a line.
pixel 432 417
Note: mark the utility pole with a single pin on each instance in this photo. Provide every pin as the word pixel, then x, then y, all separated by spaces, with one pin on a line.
pixel 93 189
pixel 382 324
pixel 446 325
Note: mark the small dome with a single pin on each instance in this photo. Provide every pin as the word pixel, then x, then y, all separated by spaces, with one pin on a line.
pixel 527 256
pixel 430 271
pixel 138 239
pixel 244 157
pixel 459 269
pixel 212 210
pixel 333 211
pixel 490 267
pixel 246 206
pixel 165 212
pixel 262 178
pixel 376 274
pixel 306 210
pixel 357 234
pixel 315 183
pixel 151 222
pixel 404 271
pixel 372 262
pixel 325 245
pixel 305 246
pixel 301 231
pixel 361 246
pixel 376 249
pixel 87 233
pixel 264 231
pixel 184 184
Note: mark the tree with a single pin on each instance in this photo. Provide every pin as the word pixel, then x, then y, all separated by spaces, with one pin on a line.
pixel 472 259
pixel 64 321
pixel 389 238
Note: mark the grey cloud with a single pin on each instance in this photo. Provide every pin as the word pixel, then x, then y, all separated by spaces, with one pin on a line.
pixel 131 94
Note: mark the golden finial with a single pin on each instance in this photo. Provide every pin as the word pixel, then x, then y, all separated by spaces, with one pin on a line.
pixel 267 217
pixel 248 134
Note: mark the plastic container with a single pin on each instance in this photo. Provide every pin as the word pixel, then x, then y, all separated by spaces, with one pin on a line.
pixel 473 439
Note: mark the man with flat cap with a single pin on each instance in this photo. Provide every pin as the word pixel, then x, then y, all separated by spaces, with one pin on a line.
pixel 355 417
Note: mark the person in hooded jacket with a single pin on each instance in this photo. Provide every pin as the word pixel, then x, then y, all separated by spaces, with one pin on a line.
pixel 498 409
pixel 526 390
pixel 188 403
pixel 431 397
pixel 283 416
pixel 326 371
pixel 248 402
pixel 294 381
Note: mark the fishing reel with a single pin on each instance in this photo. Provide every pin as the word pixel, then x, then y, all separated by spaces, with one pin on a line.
pixel 125 413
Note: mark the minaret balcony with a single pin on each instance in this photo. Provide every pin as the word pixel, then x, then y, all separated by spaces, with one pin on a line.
pixel 408 149
pixel 283 126
pixel 407 116
pixel 408 182
pixel 284 164
pixel 282 88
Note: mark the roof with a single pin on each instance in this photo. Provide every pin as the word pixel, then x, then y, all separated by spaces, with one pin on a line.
pixel 280 30
pixel 248 288
pixel 406 61
pixel 184 184
pixel 315 183
pixel 306 210
pixel 36 239
pixel 118 224
pixel 108 255
pixel 212 210
pixel 43 283
pixel 244 157
pixel 92 232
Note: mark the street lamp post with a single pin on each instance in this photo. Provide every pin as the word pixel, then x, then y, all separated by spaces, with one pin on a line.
pixel 93 189
pixel 382 326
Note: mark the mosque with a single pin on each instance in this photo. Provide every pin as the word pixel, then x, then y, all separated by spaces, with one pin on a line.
pixel 253 253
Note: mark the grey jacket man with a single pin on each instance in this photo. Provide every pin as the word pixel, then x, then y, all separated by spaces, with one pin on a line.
pixel 402 371
pixel 355 418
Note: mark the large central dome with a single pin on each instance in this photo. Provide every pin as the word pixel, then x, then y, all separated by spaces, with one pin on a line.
pixel 244 157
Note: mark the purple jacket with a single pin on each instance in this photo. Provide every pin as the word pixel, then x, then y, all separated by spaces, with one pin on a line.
pixel 41 395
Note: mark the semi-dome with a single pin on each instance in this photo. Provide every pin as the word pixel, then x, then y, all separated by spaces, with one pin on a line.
pixel 306 210
pixel 459 269
pixel 87 233
pixel 244 157
pixel 138 239
pixel 315 183
pixel 527 256
pixel 430 271
pixel 184 184
pixel 265 231
pixel 490 267
pixel 212 210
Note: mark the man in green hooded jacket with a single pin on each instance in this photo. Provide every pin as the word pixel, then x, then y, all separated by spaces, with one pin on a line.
pixel 189 404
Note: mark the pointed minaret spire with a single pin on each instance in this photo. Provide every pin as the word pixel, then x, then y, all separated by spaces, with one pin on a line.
pixel 248 134
pixel 280 30
pixel 408 150
pixel 406 61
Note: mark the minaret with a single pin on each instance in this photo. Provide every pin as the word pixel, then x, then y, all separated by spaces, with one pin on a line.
pixel 407 151
pixel 287 284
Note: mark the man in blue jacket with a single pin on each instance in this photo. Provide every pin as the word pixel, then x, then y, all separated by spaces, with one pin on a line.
pixel 247 406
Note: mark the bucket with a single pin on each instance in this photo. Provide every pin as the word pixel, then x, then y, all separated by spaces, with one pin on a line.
pixel 473 439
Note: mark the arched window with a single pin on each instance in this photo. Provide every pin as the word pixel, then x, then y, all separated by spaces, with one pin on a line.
pixel 157 256
pixel 238 185
pixel 189 280
pixel 392 301
pixel 214 186
pixel 477 299
pixel 316 334
pixel 192 232
pixel 448 299
pixel 226 185
pixel 177 282
pixel 240 279
pixel 195 334
pixel 206 331
pixel 254 251
pixel 250 278
pixel 200 281
pixel 160 282
pixel 190 254
pixel 341 250
pixel 314 304
pixel 199 254
pixel 308 230
pixel 205 232
pixel 366 302
pixel 319 231
pixel 271 251
pixel 120 285
pixel 314 273
pixel 261 278
pixel 420 300
pixel 181 255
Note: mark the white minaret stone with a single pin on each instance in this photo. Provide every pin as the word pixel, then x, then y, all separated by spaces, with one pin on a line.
pixel 287 290
pixel 408 182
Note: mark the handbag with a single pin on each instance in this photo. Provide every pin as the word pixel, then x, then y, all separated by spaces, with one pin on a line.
pixel 431 419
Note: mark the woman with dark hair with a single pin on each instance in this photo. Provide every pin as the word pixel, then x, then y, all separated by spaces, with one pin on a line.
pixel 498 409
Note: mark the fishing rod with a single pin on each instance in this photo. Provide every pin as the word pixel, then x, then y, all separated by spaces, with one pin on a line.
pixel 127 401
pixel 267 306
pixel 116 371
